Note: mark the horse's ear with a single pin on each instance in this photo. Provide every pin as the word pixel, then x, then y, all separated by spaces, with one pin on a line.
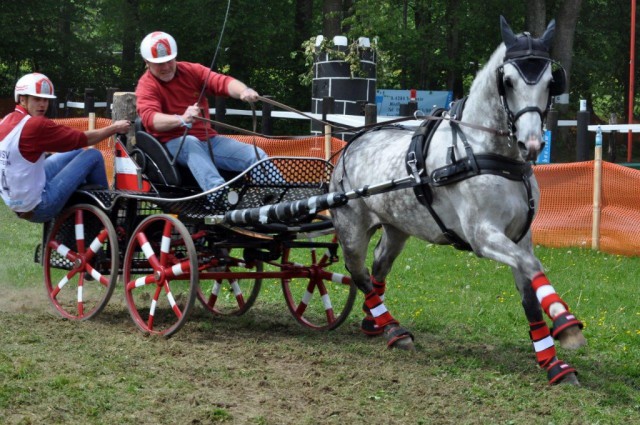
pixel 548 34
pixel 508 36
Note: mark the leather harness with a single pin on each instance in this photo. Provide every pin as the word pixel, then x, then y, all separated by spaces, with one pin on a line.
pixel 459 169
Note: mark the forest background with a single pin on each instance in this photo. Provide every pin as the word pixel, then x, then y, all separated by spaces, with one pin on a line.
pixel 422 44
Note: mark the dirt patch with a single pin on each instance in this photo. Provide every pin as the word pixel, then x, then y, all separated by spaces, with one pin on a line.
pixel 261 368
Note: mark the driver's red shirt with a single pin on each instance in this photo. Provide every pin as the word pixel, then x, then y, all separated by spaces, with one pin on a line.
pixel 40 135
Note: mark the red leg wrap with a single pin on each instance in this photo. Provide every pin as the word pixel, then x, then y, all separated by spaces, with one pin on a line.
pixel 542 343
pixel 558 370
pixel 563 321
pixel 379 286
pixel 368 325
pixel 378 310
pixel 545 293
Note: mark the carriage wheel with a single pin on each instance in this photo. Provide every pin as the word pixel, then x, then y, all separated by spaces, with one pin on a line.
pixel 231 296
pixel 322 301
pixel 160 274
pixel 81 262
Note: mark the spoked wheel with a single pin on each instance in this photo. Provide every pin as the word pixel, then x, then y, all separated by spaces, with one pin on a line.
pixel 81 262
pixel 160 274
pixel 232 295
pixel 323 300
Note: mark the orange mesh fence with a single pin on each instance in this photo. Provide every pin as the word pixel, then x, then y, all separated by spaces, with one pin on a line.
pixel 565 216
pixel 565 213
pixel 106 146
pixel 304 147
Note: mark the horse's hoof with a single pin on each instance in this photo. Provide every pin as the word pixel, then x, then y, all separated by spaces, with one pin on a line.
pixel 405 344
pixel 572 338
pixel 570 379
pixel 398 337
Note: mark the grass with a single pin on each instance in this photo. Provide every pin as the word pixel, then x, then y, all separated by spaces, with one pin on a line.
pixel 474 363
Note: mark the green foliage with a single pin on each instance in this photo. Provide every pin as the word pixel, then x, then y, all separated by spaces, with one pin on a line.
pixel 421 44
pixel 352 55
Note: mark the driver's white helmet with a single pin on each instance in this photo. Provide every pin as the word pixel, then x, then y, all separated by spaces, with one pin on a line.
pixel 34 84
pixel 158 47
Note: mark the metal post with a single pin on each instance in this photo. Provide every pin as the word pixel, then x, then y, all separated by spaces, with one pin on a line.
pixel 267 122
pixel 370 114
pixel 89 101
pixel 613 135
pixel 221 111
pixel 552 126
pixel 583 117
pixel 110 92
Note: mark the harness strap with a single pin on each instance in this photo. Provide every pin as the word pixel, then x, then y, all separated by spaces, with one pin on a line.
pixel 458 170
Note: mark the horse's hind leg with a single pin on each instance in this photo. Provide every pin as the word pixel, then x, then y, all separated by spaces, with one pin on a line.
pixel 387 250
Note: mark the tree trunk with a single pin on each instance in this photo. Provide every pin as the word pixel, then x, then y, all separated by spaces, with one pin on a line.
pixel 536 19
pixel 454 74
pixel 130 58
pixel 302 25
pixel 565 32
pixel 331 18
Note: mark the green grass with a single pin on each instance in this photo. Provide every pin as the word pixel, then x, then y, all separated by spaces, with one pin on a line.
pixel 474 362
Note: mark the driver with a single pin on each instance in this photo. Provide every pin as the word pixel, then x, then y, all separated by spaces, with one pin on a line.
pixel 168 99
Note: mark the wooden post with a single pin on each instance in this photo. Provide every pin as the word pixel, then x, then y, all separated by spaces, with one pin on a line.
pixel 327 108
pixel 124 108
pixel 597 191
pixel 90 107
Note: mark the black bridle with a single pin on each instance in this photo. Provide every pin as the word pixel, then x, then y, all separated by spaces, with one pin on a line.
pixel 556 87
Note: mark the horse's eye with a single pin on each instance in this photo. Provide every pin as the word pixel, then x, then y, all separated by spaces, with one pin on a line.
pixel 508 83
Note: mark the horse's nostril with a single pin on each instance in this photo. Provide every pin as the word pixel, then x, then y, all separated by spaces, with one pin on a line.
pixel 523 147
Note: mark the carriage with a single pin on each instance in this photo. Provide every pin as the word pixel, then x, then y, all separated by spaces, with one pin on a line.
pixel 462 178
pixel 157 232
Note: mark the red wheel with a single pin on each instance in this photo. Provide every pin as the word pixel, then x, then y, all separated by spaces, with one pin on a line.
pixel 231 295
pixel 81 262
pixel 161 275
pixel 322 301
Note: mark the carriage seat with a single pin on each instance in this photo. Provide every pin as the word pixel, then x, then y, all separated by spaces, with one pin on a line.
pixel 157 162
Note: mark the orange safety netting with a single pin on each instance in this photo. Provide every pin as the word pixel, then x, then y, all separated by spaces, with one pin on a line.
pixel 106 146
pixel 565 214
pixel 305 146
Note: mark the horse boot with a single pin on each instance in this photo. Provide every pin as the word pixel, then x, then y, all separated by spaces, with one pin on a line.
pixel 566 327
pixel 368 325
pixel 397 336
pixel 557 370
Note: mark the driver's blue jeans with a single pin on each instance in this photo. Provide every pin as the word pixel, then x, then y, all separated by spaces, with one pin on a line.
pixel 228 154
pixel 65 172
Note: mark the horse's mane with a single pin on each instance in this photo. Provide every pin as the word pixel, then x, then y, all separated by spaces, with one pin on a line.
pixel 484 84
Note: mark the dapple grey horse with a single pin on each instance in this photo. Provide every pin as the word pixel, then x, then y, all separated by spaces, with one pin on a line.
pixel 477 188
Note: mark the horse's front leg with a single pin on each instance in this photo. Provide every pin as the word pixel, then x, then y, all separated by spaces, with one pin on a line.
pixel 537 296
pixel 557 370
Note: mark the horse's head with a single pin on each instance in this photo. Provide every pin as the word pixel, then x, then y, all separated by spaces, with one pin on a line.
pixel 526 83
